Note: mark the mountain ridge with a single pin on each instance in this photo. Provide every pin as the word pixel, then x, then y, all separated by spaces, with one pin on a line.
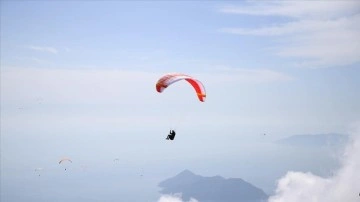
pixel 212 189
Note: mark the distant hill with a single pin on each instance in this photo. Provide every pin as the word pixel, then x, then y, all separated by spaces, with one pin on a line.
pixel 212 189
pixel 316 140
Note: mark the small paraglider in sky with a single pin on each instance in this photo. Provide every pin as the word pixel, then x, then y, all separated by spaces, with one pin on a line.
pixel 39 171
pixel 65 161
pixel 141 172
pixel 39 100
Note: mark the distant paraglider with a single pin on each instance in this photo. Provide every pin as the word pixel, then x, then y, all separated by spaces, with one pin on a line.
pixel 142 172
pixel 39 170
pixel 65 161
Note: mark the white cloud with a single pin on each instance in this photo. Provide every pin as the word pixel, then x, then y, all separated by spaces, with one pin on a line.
pixel 300 27
pixel 67 49
pixel 43 49
pixel 296 9
pixel 320 33
pixel 342 186
pixel 174 198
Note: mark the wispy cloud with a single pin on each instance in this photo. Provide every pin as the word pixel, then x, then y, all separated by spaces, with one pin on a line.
pixel 43 49
pixel 343 186
pixel 67 49
pixel 34 59
pixel 320 33
pixel 296 9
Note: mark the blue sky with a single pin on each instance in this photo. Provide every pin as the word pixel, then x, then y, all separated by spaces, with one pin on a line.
pixel 118 34
pixel 210 41
pixel 85 72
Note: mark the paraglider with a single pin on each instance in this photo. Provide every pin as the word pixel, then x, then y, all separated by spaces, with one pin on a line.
pixel 38 170
pixel 65 160
pixel 168 79
pixel 116 161
pixel 142 172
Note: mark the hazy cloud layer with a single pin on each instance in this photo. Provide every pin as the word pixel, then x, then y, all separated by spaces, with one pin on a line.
pixel 67 86
pixel 342 186
pixel 55 91
pixel 321 33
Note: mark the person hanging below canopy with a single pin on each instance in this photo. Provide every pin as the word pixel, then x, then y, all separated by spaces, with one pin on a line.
pixel 171 135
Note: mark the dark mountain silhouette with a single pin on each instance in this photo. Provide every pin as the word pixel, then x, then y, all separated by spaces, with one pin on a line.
pixel 318 140
pixel 212 189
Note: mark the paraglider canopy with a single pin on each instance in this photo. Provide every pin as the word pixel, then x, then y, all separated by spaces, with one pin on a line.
pixel 168 79
pixel 65 160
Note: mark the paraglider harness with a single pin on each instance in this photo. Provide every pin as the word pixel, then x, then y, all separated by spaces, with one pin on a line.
pixel 171 135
